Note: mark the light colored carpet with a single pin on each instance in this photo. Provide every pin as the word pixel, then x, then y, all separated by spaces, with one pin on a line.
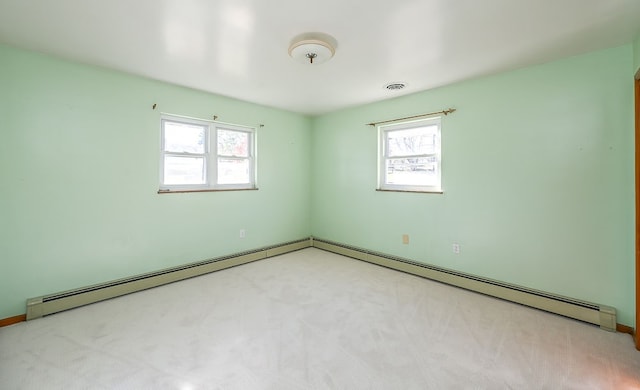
pixel 312 320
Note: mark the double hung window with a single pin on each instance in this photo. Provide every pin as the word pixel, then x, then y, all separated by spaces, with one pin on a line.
pixel 202 155
pixel 410 158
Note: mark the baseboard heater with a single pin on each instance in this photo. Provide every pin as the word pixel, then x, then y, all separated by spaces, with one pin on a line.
pixel 603 316
pixel 49 304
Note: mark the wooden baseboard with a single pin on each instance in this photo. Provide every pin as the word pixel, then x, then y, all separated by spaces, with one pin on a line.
pixel 625 329
pixel 13 320
pixel 23 317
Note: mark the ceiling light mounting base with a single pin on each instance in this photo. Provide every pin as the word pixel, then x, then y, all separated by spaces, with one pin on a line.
pixel 312 48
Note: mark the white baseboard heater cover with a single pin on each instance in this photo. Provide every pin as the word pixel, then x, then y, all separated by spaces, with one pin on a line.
pixel 53 303
pixel 603 316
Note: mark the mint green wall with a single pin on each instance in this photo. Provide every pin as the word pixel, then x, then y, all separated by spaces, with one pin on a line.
pixel 537 177
pixel 636 57
pixel 79 168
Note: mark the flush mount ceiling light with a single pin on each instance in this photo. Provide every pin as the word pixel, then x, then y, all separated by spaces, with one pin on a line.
pixel 312 48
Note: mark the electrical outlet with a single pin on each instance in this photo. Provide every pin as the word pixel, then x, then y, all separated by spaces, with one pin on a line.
pixel 243 233
pixel 456 248
pixel 405 238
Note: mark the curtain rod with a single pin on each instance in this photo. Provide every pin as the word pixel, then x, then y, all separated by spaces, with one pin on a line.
pixel 445 112
pixel 215 118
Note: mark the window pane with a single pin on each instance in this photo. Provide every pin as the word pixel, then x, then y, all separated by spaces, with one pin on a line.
pixel 233 143
pixel 419 140
pixel 412 171
pixel 184 170
pixel 183 138
pixel 233 171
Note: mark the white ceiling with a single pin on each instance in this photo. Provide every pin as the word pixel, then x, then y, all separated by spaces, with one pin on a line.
pixel 239 48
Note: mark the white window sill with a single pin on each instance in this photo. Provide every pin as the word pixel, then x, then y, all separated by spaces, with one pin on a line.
pixel 182 191
pixel 413 191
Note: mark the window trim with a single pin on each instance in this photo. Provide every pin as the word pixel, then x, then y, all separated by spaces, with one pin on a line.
pixel 210 155
pixel 384 130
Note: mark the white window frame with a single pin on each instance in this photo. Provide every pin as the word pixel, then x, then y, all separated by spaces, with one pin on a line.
pixel 383 155
pixel 210 155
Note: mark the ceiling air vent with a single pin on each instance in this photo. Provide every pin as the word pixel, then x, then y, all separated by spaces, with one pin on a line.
pixel 395 86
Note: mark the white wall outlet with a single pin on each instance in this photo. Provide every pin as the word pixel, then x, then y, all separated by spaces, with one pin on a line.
pixel 456 248
pixel 243 233
pixel 405 238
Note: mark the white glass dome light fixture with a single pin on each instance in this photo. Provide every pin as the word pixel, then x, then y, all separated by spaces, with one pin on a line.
pixel 312 48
